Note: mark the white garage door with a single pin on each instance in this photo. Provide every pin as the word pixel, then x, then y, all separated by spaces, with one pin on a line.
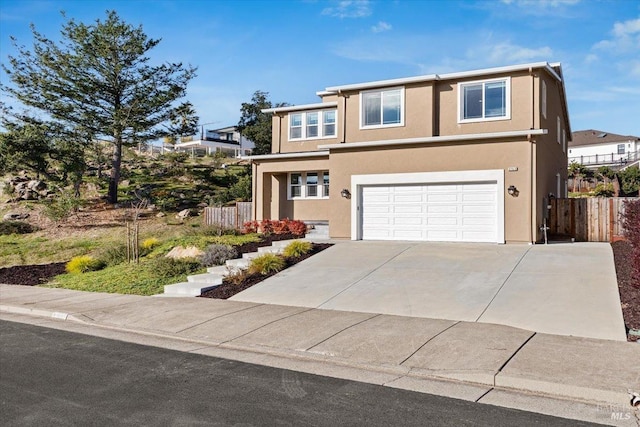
pixel 458 212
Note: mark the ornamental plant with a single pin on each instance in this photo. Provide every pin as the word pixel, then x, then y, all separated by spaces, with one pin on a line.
pixel 83 264
pixel 297 248
pixel 267 263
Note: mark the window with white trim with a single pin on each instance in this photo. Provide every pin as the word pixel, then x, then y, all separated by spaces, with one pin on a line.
pixel 309 185
pixel 312 125
pixel 620 148
pixel 544 99
pixel 382 108
pixel 484 100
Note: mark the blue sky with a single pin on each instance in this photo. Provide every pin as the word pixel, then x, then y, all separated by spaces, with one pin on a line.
pixel 294 48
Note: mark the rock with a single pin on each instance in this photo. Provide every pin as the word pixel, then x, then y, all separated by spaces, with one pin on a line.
pixel 125 183
pixel 185 213
pixel 160 214
pixel 202 205
pixel 15 216
pixel 36 185
pixel 29 195
pixel 182 252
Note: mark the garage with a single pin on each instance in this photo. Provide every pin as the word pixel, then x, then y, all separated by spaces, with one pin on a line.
pixel 438 209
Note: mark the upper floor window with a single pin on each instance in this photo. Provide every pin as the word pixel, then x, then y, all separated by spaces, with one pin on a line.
pixel 380 108
pixel 312 125
pixel 485 100
pixel 558 126
pixel 620 148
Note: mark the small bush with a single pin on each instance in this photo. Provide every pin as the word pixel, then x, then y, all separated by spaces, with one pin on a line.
pixel 170 267
pixel 113 255
pixel 150 243
pixel 604 190
pixel 62 207
pixel 271 226
pixel 15 227
pixel 297 248
pixel 267 263
pixel 218 254
pixel 83 263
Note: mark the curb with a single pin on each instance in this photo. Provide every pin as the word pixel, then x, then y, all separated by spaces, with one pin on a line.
pixel 492 380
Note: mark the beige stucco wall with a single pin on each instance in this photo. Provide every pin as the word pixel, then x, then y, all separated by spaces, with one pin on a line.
pixel 434 158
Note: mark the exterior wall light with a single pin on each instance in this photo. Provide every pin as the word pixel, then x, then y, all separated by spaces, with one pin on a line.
pixel 513 191
pixel 345 193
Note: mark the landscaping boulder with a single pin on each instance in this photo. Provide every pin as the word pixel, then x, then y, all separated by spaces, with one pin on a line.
pixel 185 213
pixel 182 252
pixel 15 216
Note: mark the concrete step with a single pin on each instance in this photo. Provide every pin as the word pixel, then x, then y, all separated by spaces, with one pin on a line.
pixel 187 289
pixel 270 250
pixel 237 263
pixel 283 243
pixel 218 269
pixel 251 255
pixel 211 279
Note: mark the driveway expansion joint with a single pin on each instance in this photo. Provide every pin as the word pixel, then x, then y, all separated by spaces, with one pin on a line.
pixel 218 317
pixel 504 283
pixel 266 324
pixel 428 341
pixel 342 330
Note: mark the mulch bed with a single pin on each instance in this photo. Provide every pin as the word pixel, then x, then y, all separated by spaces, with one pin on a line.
pixel 628 285
pixel 229 288
pixel 30 275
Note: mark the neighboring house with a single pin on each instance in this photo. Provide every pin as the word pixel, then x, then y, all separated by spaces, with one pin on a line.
pixel 226 140
pixel 594 148
pixel 471 156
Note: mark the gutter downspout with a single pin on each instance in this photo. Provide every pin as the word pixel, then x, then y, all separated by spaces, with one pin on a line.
pixel 344 114
pixel 254 166
pixel 532 197
pixel 279 133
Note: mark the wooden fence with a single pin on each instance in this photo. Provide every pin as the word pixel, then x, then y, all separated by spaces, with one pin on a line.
pixel 595 219
pixel 228 217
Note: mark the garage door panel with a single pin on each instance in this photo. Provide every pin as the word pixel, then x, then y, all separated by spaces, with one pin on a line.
pixel 442 198
pixel 432 212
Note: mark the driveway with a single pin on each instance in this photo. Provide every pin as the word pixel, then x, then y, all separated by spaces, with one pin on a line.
pixel 564 289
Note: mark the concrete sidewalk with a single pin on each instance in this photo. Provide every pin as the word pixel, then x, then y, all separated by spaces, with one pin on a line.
pixel 560 289
pixel 475 361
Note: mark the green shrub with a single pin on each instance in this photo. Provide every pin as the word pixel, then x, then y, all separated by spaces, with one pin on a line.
pixel 113 255
pixel 218 254
pixel 267 263
pixel 62 206
pixel 214 230
pixel 83 263
pixel 150 243
pixel 16 227
pixel 297 248
pixel 169 267
pixel 604 190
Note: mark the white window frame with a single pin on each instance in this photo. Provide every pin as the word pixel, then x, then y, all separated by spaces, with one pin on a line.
pixel 544 99
pixel 303 186
pixel 303 131
pixel 507 115
pixel 382 91
pixel 623 147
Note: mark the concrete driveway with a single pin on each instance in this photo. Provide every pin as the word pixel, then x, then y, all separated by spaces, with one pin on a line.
pixel 564 289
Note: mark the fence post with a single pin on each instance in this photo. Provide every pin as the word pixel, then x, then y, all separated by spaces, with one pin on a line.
pixel 611 220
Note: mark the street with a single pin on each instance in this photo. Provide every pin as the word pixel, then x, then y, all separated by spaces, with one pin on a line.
pixel 52 377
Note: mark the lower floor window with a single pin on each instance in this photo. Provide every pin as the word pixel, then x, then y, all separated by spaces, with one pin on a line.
pixel 309 185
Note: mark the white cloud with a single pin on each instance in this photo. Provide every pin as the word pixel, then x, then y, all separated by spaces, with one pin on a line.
pixel 349 9
pixel 507 53
pixel 381 27
pixel 626 38
pixel 591 58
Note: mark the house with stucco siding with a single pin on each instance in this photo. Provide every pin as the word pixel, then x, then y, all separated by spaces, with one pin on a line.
pixel 470 156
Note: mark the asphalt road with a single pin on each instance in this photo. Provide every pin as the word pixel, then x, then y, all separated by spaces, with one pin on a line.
pixel 51 377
